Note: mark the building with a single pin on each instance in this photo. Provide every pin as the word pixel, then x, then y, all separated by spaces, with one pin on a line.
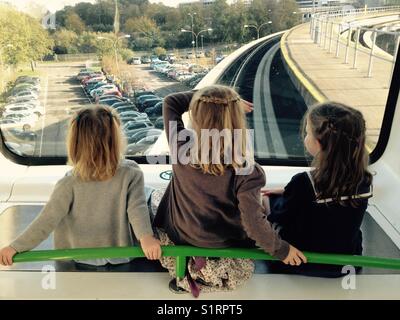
pixel 204 3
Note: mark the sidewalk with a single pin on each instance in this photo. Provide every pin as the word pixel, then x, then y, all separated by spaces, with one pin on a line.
pixel 328 77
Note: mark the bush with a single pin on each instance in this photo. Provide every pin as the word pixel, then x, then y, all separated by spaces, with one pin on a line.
pixel 126 54
pixel 159 51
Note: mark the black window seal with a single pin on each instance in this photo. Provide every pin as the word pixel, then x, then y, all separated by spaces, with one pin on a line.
pixel 388 115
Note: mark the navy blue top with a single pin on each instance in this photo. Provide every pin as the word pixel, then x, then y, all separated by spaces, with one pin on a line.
pixel 319 226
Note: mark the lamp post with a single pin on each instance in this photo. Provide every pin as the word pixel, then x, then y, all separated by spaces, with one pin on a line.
pixel 257 27
pixel 196 35
pixel 192 16
pixel 202 43
pixel 115 42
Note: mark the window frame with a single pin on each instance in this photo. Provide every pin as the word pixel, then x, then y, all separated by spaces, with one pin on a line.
pixel 377 152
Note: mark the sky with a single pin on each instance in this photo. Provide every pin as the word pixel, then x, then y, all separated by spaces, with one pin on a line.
pixel 54 5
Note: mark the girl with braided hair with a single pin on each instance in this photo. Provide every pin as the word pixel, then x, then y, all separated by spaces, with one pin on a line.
pixel 210 202
pixel 322 210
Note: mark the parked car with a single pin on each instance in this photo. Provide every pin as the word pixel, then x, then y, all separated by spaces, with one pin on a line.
pixel 145 97
pixel 219 58
pixel 14 134
pixel 22 108
pixel 148 103
pixel 142 134
pixel 156 110
pixel 136 60
pixel 125 108
pixel 159 123
pixel 200 54
pixel 132 127
pixel 145 59
pixel 25 120
pixel 141 146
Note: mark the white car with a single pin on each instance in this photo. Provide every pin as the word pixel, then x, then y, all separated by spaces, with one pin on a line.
pixel 136 60
pixel 99 91
pixel 15 108
pixel 24 120
pixel 23 96
pixel 22 149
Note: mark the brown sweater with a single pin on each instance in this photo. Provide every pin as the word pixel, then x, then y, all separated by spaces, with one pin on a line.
pixel 214 211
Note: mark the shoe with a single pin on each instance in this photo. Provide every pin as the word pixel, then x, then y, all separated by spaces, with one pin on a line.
pixel 174 288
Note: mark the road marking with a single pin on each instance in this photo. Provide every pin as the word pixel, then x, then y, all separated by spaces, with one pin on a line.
pixel 277 141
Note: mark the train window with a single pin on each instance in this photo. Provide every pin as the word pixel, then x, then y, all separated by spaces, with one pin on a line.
pixel 130 56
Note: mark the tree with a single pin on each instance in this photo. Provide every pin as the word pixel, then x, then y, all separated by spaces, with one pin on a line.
pixel 159 51
pixel 65 41
pixel 87 42
pixel 29 40
pixel 74 23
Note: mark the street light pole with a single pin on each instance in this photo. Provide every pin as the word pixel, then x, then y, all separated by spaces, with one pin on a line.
pixel 115 42
pixel 192 16
pixel 196 35
pixel 258 28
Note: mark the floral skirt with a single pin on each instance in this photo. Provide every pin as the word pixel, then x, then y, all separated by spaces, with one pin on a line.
pixel 205 274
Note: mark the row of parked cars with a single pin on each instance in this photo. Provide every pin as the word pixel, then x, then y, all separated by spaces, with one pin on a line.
pixel 20 114
pixel 141 116
pixel 183 72
pixel 23 108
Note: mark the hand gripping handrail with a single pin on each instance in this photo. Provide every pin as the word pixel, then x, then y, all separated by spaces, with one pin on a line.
pixel 181 252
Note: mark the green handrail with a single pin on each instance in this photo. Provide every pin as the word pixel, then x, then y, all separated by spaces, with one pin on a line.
pixel 182 252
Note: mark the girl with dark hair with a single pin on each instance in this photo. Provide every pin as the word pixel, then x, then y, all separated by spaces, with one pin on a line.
pixel 322 210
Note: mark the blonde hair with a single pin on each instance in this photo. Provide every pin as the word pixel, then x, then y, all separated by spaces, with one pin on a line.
pixel 95 143
pixel 218 107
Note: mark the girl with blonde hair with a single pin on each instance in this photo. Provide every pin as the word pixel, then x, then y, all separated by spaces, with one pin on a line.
pixel 99 200
pixel 209 201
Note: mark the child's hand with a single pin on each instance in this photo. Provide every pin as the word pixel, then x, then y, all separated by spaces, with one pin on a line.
pixel 295 257
pixel 6 256
pixel 151 247
pixel 247 106
pixel 267 192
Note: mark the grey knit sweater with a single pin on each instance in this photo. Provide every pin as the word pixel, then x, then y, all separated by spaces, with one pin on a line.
pixel 92 214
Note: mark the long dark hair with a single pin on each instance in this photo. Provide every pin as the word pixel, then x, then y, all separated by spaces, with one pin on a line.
pixel 342 164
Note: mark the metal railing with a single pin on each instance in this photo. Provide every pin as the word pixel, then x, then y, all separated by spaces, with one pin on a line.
pixel 181 253
pixel 325 32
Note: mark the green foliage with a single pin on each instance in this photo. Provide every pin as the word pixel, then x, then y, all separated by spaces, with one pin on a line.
pixel 156 25
pixel 159 51
pixel 65 41
pixel 28 38
pixel 126 53
pixel 74 23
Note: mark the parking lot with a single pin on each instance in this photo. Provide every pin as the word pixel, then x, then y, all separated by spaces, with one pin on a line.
pixel 153 81
pixel 60 94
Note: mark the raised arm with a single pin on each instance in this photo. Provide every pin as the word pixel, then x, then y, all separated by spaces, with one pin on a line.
pixel 254 221
pixel 174 106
